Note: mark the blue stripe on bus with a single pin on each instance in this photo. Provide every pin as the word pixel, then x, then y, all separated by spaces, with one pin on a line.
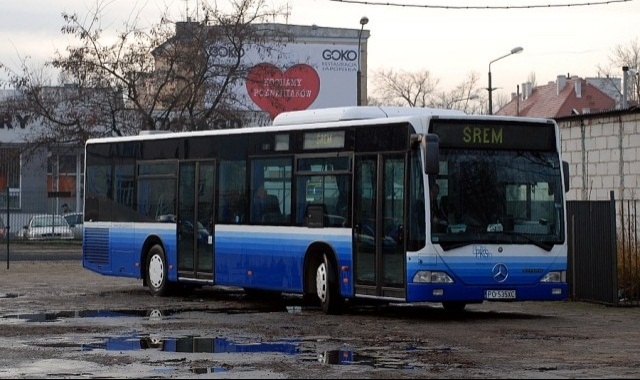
pixel 247 256
pixel 271 258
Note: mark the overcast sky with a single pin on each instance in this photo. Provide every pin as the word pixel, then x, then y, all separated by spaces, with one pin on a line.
pixel 450 43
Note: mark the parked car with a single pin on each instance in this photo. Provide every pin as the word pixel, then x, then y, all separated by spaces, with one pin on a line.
pixel 3 230
pixel 75 221
pixel 47 227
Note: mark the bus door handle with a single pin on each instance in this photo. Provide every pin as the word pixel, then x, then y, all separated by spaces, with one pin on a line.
pixel 355 233
pixel 399 234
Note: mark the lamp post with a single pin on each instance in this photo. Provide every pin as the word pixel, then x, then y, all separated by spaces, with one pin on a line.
pixel 363 21
pixel 515 50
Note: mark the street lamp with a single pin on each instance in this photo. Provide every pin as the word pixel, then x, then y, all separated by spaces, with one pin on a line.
pixel 363 21
pixel 515 50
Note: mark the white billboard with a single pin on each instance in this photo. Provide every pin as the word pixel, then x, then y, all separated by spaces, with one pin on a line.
pixel 295 76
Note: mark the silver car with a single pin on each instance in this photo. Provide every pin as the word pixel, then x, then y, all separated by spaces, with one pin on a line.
pixel 47 227
pixel 3 231
pixel 75 221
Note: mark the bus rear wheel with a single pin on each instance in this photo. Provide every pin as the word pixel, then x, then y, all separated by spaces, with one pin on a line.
pixel 327 287
pixel 157 280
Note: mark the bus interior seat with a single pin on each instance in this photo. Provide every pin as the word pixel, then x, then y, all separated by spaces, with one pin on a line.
pixel 272 205
pixel 272 213
pixel 316 215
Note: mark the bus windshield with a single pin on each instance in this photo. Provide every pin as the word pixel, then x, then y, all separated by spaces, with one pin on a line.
pixel 498 196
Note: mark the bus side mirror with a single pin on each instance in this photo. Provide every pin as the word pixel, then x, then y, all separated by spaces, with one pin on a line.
pixel 431 150
pixel 565 175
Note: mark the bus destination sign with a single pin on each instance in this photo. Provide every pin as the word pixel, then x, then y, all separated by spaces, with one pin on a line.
pixel 490 135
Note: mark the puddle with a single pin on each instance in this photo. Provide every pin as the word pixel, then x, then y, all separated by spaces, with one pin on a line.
pixel 57 316
pixel 151 314
pixel 202 371
pixel 295 347
pixel 191 345
pixel 381 360
pixel 10 295
pixel 303 350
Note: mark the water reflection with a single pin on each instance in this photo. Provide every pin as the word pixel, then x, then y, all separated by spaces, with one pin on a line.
pixel 190 344
pixel 303 350
pixel 377 360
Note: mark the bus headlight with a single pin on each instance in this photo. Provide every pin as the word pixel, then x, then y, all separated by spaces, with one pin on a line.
pixel 433 277
pixel 555 276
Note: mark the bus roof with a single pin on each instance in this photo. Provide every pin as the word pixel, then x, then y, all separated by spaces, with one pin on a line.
pixel 336 114
pixel 325 117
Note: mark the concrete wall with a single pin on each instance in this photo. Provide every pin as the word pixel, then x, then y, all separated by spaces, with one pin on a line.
pixel 603 151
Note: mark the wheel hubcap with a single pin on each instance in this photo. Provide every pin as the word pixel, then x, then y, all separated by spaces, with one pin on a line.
pixel 156 271
pixel 321 282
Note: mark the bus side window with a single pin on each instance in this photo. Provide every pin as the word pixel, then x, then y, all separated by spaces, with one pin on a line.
pixel 232 204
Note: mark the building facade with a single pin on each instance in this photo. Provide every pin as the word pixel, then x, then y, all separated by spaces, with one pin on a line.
pixel 295 67
pixel 44 180
pixel 568 95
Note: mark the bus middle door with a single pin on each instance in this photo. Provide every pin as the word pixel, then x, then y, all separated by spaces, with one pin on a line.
pixel 195 219
pixel 379 247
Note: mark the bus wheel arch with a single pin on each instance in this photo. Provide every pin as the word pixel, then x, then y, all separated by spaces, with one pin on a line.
pixel 154 268
pixel 321 282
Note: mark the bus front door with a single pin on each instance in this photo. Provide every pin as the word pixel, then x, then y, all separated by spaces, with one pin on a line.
pixel 195 219
pixel 379 204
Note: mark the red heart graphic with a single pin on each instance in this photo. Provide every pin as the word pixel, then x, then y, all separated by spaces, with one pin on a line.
pixel 275 92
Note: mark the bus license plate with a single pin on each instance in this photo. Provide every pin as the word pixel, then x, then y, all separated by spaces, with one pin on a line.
pixel 500 294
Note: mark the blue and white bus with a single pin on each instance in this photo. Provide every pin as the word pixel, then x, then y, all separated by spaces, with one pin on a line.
pixel 334 204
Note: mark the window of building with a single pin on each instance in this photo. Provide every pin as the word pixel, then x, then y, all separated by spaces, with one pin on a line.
pixel 9 178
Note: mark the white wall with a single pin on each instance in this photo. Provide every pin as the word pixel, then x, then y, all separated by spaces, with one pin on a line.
pixel 604 155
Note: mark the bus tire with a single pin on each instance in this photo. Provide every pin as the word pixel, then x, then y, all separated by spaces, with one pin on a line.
pixel 327 287
pixel 157 279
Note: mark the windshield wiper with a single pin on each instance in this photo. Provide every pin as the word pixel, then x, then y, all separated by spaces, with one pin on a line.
pixel 546 246
pixel 448 246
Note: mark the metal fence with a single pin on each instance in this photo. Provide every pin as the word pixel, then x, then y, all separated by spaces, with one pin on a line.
pixel 604 264
pixel 592 247
pixel 628 268
pixel 15 215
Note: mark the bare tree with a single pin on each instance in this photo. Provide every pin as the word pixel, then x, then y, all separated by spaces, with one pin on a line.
pixel 168 76
pixel 466 96
pixel 500 100
pixel 66 115
pixel 178 78
pixel 420 89
pixel 624 55
pixel 404 88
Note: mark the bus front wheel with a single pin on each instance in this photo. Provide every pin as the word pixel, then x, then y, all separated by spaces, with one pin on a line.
pixel 157 281
pixel 327 287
